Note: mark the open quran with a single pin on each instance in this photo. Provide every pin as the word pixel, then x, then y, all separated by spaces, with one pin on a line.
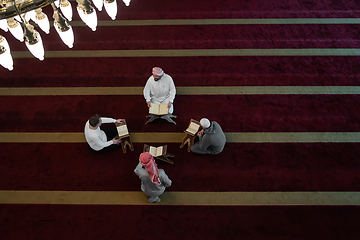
pixel 122 130
pixel 159 109
pixel 159 153
pixel 193 127
pixel 156 151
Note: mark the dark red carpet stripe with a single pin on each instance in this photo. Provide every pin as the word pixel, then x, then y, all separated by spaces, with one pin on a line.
pixel 237 113
pixel 240 167
pixel 178 222
pixel 157 9
pixel 205 37
pixel 186 71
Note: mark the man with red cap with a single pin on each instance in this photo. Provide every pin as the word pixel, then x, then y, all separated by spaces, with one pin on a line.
pixel 153 180
pixel 160 89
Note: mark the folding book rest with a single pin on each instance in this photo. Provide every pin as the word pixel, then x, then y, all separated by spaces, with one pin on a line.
pixel 125 140
pixel 167 117
pixel 164 157
pixel 189 138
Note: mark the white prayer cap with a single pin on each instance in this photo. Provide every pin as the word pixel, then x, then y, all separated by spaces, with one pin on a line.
pixel 205 123
pixel 157 71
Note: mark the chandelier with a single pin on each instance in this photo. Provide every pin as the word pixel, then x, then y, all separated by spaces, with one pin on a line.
pixel 15 16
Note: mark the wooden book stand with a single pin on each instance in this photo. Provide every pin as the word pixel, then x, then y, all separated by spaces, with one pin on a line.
pixel 164 157
pixel 189 137
pixel 125 139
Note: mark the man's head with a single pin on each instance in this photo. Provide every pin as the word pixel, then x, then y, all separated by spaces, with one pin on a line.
pixel 95 120
pixel 157 73
pixel 205 123
pixel 148 161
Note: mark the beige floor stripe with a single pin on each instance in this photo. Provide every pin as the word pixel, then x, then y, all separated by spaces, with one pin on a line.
pixel 164 22
pixel 174 137
pixel 193 53
pixel 180 198
pixel 210 90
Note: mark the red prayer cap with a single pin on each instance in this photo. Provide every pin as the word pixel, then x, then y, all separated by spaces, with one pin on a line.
pixel 157 71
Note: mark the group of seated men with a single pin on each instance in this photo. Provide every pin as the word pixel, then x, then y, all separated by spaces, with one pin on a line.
pixel 159 89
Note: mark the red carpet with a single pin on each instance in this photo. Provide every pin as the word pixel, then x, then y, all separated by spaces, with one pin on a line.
pixel 241 167
pixel 178 222
pixel 186 71
pixel 235 113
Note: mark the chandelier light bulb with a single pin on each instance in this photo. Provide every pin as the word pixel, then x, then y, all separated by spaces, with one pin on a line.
pixel 36 49
pixel 3 25
pixel 62 27
pixel 33 41
pixel 4 43
pixel 98 4
pixel 57 3
pixel 89 19
pixel 111 8
pixel 42 20
pixel 30 15
pixel 15 29
pixel 67 36
pixel 66 9
pixel 5 58
pixel 127 2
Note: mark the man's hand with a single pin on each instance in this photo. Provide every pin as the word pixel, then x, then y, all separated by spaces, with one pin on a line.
pixel 200 133
pixel 169 105
pixel 120 120
pixel 149 104
pixel 116 141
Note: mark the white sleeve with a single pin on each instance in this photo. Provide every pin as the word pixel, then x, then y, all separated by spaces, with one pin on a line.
pixel 172 90
pixel 100 143
pixel 146 91
pixel 164 179
pixel 107 120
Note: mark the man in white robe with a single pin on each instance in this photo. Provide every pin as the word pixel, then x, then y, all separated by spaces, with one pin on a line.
pixel 160 89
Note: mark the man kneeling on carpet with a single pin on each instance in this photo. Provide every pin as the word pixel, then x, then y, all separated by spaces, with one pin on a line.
pixel 211 138
pixel 98 139
pixel 153 180
pixel 160 89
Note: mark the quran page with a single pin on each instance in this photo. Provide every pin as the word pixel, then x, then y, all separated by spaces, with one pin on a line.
pixel 122 130
pixel 159 151
pixel 154 108
pixel 193 128
pixel 163 109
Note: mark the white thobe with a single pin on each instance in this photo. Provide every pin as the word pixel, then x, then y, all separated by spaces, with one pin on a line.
pixel 96 138
pixel 161 91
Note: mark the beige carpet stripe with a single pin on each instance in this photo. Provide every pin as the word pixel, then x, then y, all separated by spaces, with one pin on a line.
pixel 173 137
pixel 220 90
pixel 181 198
pixel 164 22
pixel 193 53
